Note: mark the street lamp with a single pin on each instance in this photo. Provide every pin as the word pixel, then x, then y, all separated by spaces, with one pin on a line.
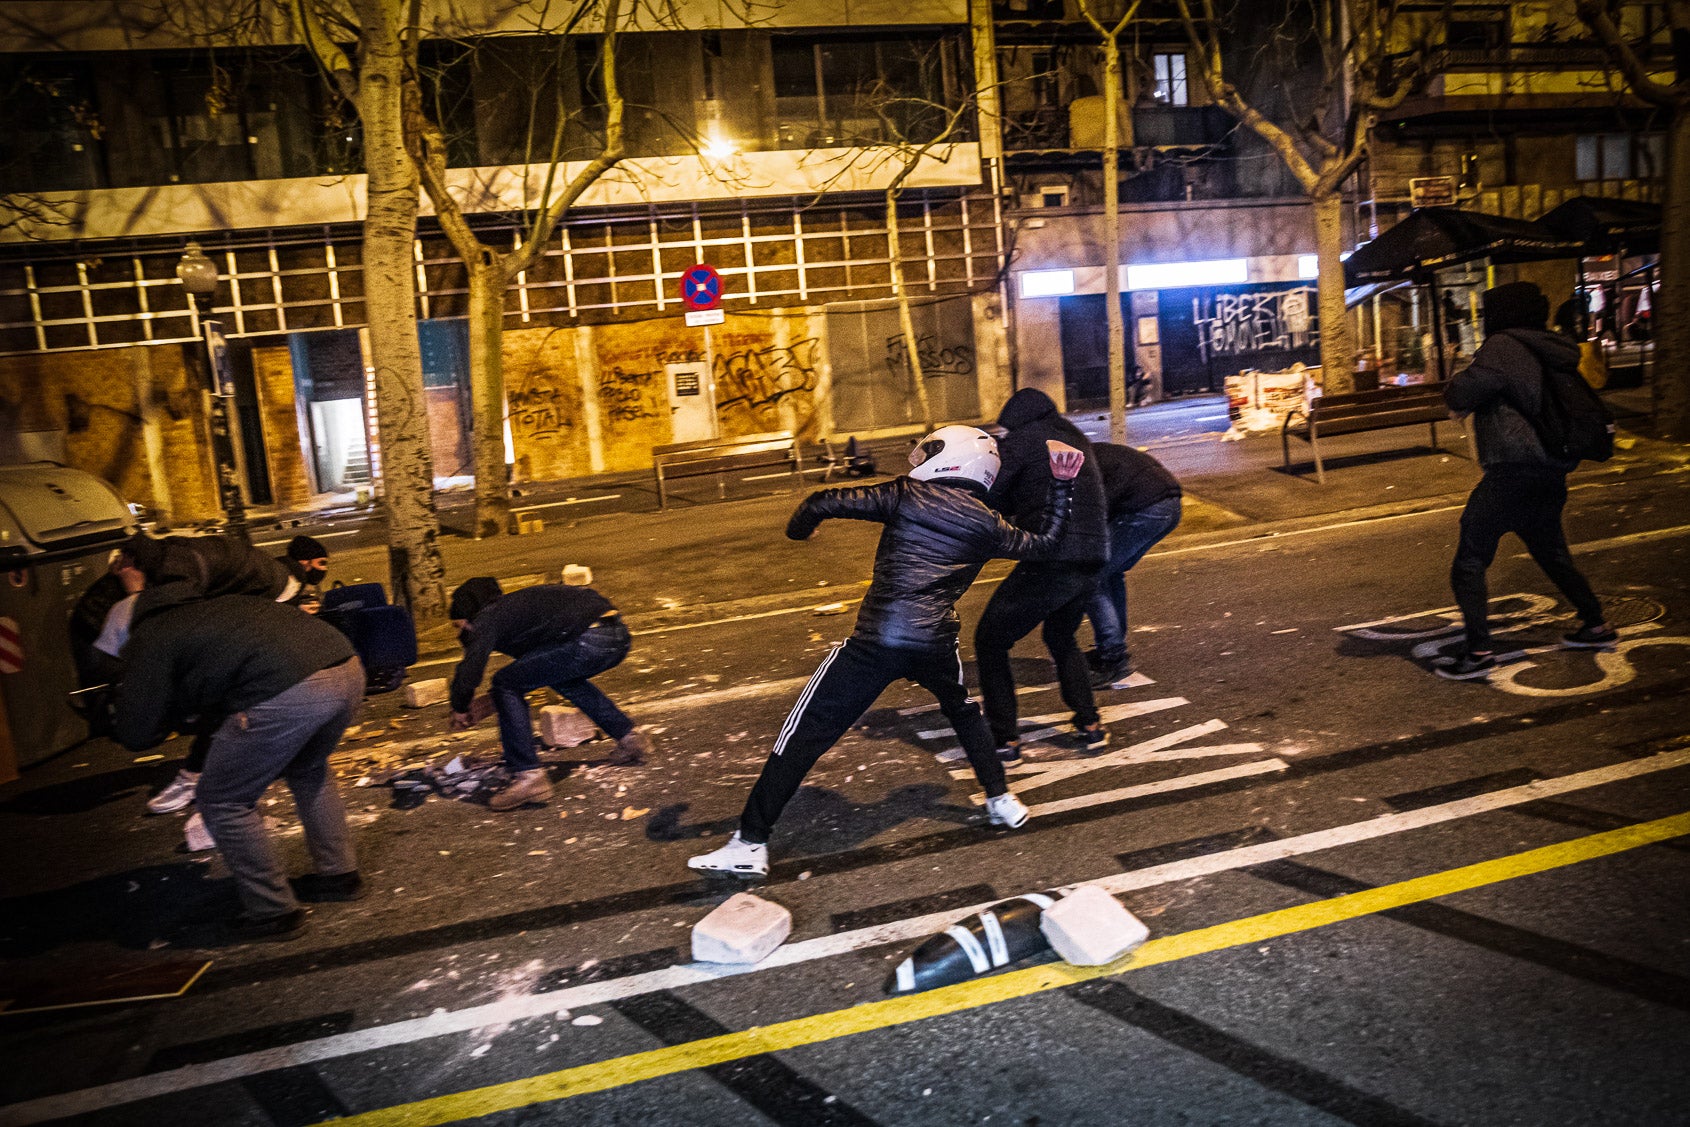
pixel 198 275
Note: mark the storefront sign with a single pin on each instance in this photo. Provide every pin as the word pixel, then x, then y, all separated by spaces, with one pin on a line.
pixel 1432 191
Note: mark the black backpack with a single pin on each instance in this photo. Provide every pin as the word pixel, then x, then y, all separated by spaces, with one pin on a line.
pixel 1572 422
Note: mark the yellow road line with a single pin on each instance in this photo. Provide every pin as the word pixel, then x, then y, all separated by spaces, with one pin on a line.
pixel 621 1071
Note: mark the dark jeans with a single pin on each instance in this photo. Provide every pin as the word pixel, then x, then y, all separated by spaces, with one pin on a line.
pixel 1130 536
pixel 838 693
pixel 287 737
pixel 1054 594
pixel 1528 503
pixel 565 668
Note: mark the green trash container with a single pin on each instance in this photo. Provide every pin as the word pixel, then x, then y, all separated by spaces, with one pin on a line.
pixel 58 527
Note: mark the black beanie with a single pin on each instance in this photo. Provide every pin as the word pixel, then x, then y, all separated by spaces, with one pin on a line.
pixel 1518 305
pixel 305 548
pixel 474 596
pixel 147 554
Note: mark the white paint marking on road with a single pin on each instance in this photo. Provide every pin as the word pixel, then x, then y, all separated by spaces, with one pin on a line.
pixel 720 696
pixel 809 608
pixel 1615 665
pixel 1134 681
pixel 1107 713
pixel 314 536
pixel 1184 782
pixel 1621 541
pixel 1535 605
pixel 570 501
pixel 527 1006
pixel 1147 751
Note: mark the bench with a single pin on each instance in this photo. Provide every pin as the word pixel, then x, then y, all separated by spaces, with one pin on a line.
pixel 714 456
pixel 1332 415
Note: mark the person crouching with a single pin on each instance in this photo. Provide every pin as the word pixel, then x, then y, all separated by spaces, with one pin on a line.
pixel 560 637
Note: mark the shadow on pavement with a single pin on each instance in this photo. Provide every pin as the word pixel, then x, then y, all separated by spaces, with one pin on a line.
pixel 134 909
pixel 96 789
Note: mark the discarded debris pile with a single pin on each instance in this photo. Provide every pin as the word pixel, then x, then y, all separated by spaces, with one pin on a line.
pixel 467 781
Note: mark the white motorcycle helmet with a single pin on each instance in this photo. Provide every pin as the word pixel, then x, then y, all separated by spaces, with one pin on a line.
pixel 957 451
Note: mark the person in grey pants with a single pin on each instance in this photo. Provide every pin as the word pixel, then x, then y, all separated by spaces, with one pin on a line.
pixel 276 688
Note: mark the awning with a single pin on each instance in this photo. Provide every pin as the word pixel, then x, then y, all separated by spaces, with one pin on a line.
pixel 1608 226
pixel 1435 237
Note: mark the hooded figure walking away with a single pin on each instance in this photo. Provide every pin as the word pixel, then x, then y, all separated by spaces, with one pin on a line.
pixel 939 533
pixel 1524 488
pixel 561 637
pixel 1052 589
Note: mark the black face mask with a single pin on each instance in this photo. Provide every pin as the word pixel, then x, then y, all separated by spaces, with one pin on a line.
pixel 465 635
pixel 314 574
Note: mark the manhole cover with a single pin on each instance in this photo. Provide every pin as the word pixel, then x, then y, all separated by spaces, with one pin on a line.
pixel 1631 610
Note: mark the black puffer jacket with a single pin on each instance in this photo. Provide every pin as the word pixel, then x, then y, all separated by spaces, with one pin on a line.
pixel 1030 418
pixel 938 535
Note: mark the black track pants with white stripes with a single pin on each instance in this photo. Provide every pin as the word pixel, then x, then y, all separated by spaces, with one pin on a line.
pixel 838 693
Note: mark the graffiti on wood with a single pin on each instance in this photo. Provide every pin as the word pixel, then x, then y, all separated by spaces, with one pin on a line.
pixel 627 397
pixel 936 359
pixel 538 408
pixel 760 378
pixel 1231 324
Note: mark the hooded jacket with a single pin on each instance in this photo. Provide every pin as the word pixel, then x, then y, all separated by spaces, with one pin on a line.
pixel 208 566
pixel 211 658
pixel 1030 418
pixel 938 535
pixel 1503 389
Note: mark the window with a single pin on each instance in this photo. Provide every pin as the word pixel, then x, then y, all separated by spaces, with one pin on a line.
pixel 1617 156
pixel 1171 89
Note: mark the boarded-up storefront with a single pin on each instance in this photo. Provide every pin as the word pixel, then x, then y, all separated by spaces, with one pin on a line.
pixel 871 377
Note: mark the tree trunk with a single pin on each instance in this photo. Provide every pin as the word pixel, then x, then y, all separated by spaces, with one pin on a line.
pixel 487 393
pixel 1670 316
pixel 906 323
pixel 1337 342
pixel 1112 239
pixel 390 228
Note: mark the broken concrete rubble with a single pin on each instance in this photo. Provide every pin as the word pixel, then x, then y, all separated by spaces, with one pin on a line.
pixel 743 929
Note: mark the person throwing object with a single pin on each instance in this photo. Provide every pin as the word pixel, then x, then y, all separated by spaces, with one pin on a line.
pixel 939 533
pixel 560 636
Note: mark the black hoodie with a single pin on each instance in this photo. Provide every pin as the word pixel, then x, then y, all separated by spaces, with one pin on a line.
pixel 210 658
pixel 1022 489
pixel 1503 388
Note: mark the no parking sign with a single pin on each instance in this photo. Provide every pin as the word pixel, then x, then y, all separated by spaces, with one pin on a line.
pixel 701 287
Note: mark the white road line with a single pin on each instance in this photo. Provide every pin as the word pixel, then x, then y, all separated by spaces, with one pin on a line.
pixel 1621 541
pixel 1134 681
pixel 314 536
pixel 1146 751
pixel 1108 714
pixel 522 1007
pixel 570 501
pixel 1082 801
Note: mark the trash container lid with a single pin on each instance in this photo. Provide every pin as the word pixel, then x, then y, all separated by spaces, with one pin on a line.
pixel 46 507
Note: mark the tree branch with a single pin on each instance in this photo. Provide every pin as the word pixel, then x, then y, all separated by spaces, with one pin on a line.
pixel 325 50
pixel 1598 19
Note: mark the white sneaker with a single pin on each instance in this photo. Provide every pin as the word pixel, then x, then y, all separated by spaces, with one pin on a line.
pixel 198 837
pixel 177 795
pixel 739 858
pixel 1007 810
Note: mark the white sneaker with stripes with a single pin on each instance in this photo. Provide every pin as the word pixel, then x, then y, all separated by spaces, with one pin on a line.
pixel 1007 810
pixel 743 859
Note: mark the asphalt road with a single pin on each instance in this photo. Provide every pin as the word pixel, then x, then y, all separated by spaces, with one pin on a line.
pixel 1375 897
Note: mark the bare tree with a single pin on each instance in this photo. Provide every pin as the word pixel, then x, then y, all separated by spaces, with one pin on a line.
pixel 386 32
pixel 491 269
pixel 1111 35
pixel 1671 319
pixel 1324 126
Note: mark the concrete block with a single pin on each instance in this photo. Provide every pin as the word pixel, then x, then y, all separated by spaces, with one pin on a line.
pixel 421 694
pixel 577 575
pixel 1089 927
pixel 745 929
pixel 563 726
